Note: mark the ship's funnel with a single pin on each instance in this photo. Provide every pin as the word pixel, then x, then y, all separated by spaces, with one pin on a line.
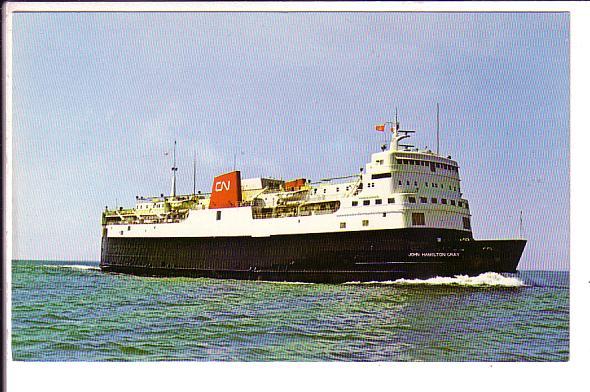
pixel 226 191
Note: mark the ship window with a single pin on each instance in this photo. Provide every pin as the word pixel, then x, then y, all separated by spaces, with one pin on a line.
pixel 415 183
pixel 444 166
pixel 355 203
pixel 460 204
pixel 411 162
pixel 400 182
pixel 366 202
pixel 378 201
pixel 418 219
pixel 466 205
pixel 324 190
pixel 384 214
pixel 412 199
pixel 343 225
pixel 423 200
pixel 466 223
pixel 452 202
pixel 443 201
pixel 218 217
pixel 391 200
pixel 433 200
pixel 121 232
pixel 347 188
pixel 366 222
pixel 399 161
pixel 432 167
pixel 337 189
pixel 438 165
pixel 128 228
pixel 380 175
pixel 407 182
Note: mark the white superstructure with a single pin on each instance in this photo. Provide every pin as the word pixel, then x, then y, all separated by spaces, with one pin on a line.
pixel 400 187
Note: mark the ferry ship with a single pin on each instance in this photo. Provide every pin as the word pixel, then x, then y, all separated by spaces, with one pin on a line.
pixel 402 216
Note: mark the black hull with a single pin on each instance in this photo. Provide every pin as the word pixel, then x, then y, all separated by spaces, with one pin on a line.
pixel 322 258
pixel 327 257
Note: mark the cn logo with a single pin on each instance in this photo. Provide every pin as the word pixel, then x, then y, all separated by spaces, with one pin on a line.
pixel 221 185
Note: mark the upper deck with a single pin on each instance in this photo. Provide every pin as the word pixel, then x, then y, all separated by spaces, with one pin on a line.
pixel 402 178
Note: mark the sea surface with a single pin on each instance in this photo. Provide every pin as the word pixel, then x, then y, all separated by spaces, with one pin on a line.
pixel 64 311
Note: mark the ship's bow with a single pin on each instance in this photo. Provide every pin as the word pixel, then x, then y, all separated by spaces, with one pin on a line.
pixel 495 255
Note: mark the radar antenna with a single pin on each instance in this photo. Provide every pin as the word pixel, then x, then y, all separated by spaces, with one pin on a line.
pixel 396 137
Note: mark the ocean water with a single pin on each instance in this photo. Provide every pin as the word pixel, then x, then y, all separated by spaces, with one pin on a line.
pixel 64 311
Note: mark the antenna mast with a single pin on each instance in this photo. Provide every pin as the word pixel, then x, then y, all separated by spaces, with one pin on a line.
pixel 174 170
pixel 194 172
pixel 437 129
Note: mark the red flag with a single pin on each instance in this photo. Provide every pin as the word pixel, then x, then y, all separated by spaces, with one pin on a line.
pixel 380 128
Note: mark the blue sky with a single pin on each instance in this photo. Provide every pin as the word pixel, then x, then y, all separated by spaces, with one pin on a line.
pixel 98 98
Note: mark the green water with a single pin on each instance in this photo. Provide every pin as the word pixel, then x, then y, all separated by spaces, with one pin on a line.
pixel 73 312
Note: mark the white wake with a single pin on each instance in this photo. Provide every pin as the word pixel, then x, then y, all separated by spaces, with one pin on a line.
pixel 74 266
pixel 487 279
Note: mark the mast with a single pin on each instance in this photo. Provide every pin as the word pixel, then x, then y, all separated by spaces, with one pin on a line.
pixel 174 170
pixel 194 172
pixel 398 135
pixel 437 129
